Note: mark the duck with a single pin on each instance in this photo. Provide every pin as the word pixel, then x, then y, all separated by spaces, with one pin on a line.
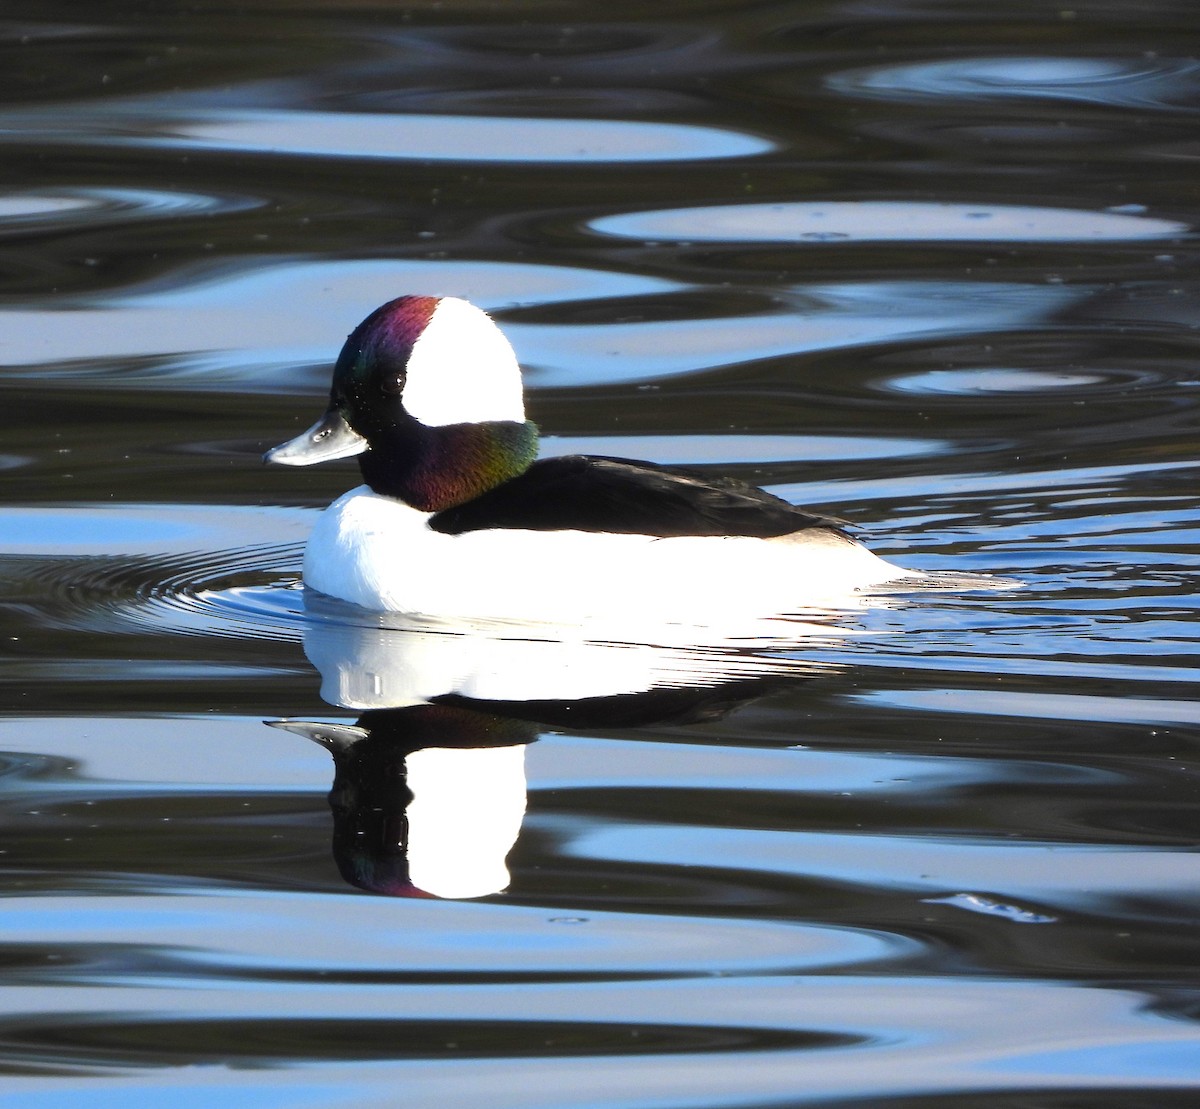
pixel 457 516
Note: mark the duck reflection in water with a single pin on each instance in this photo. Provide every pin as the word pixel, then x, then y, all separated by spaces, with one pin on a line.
pixel 429 786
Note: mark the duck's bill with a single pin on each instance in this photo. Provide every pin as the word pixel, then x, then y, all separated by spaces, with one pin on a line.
pixel 329 438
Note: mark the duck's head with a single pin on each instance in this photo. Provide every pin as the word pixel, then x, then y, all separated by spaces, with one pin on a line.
pixel 427 393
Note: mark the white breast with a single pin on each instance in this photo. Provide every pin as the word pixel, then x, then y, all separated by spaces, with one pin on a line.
pixel 377 552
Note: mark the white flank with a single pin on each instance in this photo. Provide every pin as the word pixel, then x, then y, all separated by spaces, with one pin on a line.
pixel 377 552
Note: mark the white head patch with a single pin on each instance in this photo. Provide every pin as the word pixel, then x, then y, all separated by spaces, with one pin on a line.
pixel 462 370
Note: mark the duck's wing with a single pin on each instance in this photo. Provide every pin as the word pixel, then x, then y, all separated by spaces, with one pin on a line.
pixel 615 495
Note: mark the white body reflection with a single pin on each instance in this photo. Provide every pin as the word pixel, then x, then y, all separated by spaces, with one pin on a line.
pixel 383 660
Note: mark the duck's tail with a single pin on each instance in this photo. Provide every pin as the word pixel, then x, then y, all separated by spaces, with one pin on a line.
pixel 924 581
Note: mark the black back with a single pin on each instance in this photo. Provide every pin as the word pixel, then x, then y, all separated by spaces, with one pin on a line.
pixel 582 493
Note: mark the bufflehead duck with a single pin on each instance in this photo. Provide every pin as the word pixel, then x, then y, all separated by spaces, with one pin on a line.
pixel 459 518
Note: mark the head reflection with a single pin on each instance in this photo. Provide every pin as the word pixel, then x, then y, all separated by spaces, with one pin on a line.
pixel 429 788
pixel 427 800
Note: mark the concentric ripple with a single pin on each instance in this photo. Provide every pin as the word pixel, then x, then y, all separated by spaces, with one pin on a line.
pixel 160 569
pixel 240 592
pixel 66 208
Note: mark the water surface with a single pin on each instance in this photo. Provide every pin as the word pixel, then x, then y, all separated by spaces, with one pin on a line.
pixel 924 267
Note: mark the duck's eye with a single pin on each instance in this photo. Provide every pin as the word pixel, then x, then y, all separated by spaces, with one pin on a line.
pixel 393 384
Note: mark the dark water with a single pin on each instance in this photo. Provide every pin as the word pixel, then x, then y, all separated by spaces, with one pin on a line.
pixel 926 266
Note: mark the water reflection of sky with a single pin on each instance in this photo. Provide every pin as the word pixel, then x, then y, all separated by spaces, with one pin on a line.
pixel 885 221
pixel 286 312
pixel 463 138
pixel 697 449
pixel 1060 874
pixel 291 313
pixel 293 938
pixel 123 529
pixel 390 135
pixel 1141 82
pixel 1044 706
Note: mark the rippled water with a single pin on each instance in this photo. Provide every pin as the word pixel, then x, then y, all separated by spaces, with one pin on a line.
pixel 925 266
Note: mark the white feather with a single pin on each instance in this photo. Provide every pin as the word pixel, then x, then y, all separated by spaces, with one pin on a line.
pixel 462 370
